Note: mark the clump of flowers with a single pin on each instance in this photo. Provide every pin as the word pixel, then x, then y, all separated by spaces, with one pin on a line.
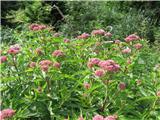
pixel 111 117
pixel 86 85
pixel 92 62
pixel 56 34
pixel 98 32
pixel 98 117
pixel 57 65
pixel 58 53
pixel 3 59
pixel 66 40
pixel 83 36
pixel 99 73
pixel 126 51
pixel 32 64
pixel 6 113
pixel 109 65
pixel 44 65
pixel 138 46
pixel 108 34
pixel 122 86
pixel 14 49
pixel 117 41
pixel 132 37
pixel 36 27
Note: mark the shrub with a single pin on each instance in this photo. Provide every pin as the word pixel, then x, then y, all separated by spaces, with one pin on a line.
pixel 113 85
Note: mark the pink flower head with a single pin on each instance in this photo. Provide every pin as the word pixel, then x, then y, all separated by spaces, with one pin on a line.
pixel 44 68
pixel 57 53
pixel 14 49
pixel 38 51
pixel 86 85
pixel 126 51
pixel 41 27
pixel 98 117
pixel 45 62
pixel 122 86
pixel 66 40
pixel 108 34
pixel 117 41
pixel 7 113
pixel 111 117
pixel 32 64
pixel 83 36
pixel 98 32
pixel 158 93
pixel 56 34
pixel 138 46
pixel 109 65
pixel 81 118
pixel 99 73
pixel 57 65
pixel 44 65
pixel 16 46
pixel 3 59
pixel 94 61
pixel 90 65
pixel 36 27
pixel 132 37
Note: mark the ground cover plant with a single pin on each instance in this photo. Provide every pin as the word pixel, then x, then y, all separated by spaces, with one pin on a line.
pixel 45 76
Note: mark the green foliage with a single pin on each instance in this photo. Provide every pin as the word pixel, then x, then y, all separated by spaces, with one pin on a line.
pixel 84 16
pixel 60 93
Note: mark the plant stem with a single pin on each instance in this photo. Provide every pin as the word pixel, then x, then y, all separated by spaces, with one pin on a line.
pixel 14 63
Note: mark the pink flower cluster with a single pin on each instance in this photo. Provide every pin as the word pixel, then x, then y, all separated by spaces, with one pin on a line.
pixel 132 37
pixel 57 65
pixel 32 64
pixel 109 65
pixel 117 41
pixel 44 65
pixel 122 86
pixel 126 51
pixel 3 59
pixel 58 53
pixel 100 117
pixel 108 34
pixel 14 49
pixel 98 32
pixel 83 36
pixel 6 113
pixel 99 73
pixel 56 34
pixel 101 32
pixel 105 66
pixel 86 85
pixel 92 62
pixel 66 40
pixel 36 27
pixel 138 46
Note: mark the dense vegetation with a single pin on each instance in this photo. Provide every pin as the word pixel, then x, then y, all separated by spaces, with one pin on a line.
pixel 80 61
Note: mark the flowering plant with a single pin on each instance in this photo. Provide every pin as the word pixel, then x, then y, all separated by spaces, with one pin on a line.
pixel 46 76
